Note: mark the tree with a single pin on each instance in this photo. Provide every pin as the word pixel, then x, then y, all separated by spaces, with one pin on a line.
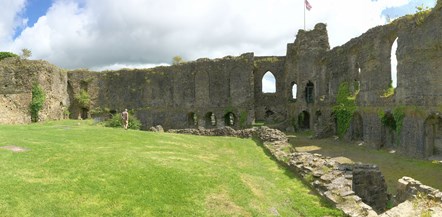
pixel 26 53
pixel 177 60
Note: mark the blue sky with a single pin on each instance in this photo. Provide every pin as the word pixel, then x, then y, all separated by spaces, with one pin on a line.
pixel 34 9
pixel 111 34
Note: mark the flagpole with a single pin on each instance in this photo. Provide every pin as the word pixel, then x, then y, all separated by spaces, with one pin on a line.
pixel 304 14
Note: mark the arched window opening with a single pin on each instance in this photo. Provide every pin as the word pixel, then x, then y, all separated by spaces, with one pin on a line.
pixel 304 120
pixel 268 83
pixel 210 120
pixel 229 119
pixel 192 119
pixel 269 113
pixel 358 68
pixel 309 97
pixel 394 64
pixel 294 90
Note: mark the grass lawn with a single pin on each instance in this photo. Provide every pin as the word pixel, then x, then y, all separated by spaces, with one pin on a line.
pixel 73 168
pixel 393 166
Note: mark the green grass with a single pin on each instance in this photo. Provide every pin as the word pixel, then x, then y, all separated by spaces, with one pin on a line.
pixel 73 168
pixel 393 166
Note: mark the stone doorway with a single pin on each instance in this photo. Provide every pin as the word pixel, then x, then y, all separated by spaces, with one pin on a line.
pixel 192 120
pixel 210 120
pixel 433 137
pixel 357 128
pixel 229 119
pixel 84 113
pixel 304 120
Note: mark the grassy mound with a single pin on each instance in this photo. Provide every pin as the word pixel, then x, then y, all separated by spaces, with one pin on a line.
pixel 72 168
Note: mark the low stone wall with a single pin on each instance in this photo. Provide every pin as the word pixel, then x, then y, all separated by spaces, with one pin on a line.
pixel 332 180
pixel 408 188
pixel 223 131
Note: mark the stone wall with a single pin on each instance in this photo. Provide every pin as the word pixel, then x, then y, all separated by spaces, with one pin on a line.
pixel 16 80
pixel 179 96
pixel 270 107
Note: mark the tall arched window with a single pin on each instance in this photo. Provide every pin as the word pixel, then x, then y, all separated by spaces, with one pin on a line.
pixel 394 64
pixel 294 90
pixel 309 97
pixel 268 83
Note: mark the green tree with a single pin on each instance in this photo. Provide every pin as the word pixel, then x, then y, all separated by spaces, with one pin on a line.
pixel 26 53
pixel 177 60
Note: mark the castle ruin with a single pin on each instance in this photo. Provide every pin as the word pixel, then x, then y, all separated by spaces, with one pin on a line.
pixel 341 91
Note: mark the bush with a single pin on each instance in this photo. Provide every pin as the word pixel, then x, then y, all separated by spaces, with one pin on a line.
pixel 4 55
pixel 38 100
pixel 117 122
pixel 83 99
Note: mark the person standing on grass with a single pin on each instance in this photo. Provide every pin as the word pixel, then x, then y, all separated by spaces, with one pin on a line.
pixel 125 117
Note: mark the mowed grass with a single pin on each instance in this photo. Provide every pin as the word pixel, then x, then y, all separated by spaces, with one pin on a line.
pixel 73 168
pixel 392 165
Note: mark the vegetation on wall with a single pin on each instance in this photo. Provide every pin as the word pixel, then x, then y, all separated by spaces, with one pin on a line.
pixel 399 115
pixel 344 108
pixel 37 102
pixel 177 60
pixel 389 91
pixel 421 14
pixel 4 55
pixel 243 119
pixel 83 99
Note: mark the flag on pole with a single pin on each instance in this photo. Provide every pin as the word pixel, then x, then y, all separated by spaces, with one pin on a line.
pixel 308 6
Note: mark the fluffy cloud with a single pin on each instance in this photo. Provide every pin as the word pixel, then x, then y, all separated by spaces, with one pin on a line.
pixel 107 34
pixel 10 19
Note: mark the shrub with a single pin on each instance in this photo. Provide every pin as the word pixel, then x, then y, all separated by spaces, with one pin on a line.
pixel 38 100
pixel 4 55
pixel 83 98
pixel 117 122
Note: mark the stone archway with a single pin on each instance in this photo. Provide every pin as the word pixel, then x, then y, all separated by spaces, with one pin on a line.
pixel 229 119
pixel 304 120
pixel 192 119
pixel 210 120
pixel 433 136
pixel 357 127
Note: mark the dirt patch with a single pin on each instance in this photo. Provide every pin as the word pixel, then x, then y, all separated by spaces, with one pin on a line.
pixel 14 148
pixel 221 204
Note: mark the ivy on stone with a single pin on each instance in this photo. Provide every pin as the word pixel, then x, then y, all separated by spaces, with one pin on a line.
pixel 344 108
pixel 37 102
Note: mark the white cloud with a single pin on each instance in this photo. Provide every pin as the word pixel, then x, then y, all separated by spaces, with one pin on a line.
pixel 98 33
pixel 9 19
pixel 117 66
